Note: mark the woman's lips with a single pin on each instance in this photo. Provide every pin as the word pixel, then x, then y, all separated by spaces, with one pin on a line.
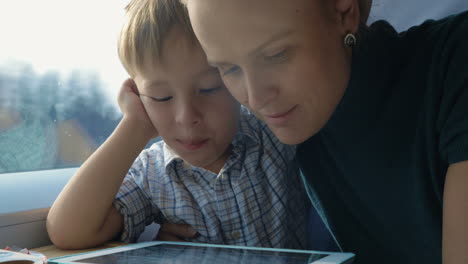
pixel 192 144
pixel 280 118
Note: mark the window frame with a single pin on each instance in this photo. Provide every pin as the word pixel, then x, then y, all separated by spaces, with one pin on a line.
pixel 25 225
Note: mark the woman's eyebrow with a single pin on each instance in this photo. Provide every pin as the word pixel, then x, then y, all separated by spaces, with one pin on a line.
pixel 257 50
pixel 273 39
pixel 208 72
pixel 216 64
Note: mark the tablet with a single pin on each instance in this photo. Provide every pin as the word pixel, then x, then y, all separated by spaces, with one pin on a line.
pixel 187 253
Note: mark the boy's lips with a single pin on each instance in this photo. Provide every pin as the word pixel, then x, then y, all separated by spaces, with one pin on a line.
pixel 192 144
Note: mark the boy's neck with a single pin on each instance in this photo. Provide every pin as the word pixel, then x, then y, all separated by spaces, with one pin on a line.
pixel 218 164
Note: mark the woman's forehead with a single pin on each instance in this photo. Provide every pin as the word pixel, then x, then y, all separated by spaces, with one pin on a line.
pixel 241 17
pixel 224 25
pixel 247 9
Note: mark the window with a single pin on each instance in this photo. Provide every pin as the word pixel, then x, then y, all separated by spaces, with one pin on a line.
pixel 403 14
pixel 59 78
pixel 59 74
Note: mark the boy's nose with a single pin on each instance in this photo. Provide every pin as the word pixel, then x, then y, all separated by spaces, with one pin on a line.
pixel 188 115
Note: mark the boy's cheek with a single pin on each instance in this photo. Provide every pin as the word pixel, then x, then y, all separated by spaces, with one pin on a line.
pixel 159 121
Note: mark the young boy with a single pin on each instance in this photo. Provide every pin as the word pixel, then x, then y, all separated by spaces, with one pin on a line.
pixel 218 169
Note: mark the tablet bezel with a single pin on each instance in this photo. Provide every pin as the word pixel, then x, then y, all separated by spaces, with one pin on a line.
pixel 332 258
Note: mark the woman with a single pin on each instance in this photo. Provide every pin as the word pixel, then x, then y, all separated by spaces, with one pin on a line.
pixel 381 118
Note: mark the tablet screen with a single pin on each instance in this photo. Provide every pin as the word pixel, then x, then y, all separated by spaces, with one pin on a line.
pixel 183 254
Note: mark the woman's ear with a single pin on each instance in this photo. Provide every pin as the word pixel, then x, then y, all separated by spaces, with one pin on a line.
pixel 348 15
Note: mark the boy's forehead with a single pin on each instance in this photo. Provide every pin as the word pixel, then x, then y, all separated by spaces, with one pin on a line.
pixel 181 57
pixel 178 43
pixel 157 72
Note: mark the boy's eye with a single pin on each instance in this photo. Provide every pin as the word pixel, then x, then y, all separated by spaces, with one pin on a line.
pixel 163 99
pixel 158 99
pixel 210 90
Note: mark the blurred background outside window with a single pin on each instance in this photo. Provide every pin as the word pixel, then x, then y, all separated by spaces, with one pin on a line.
pixel 403 14
pixel 59 78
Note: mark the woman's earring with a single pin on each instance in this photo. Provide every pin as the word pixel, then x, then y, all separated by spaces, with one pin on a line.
pixel 350 40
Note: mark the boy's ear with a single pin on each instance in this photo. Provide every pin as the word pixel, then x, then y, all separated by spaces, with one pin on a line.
pixel 348 15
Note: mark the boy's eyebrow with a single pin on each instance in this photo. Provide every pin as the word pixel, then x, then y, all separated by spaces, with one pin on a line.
pixel 257 50
pixel 211 70
pixel 155 83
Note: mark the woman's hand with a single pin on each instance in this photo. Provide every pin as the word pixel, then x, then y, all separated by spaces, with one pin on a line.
pixel 455 221
pixel 132 107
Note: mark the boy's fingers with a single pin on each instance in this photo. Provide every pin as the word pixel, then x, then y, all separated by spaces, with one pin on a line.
pixel 130 83
pixel 163 236
pixel 179 230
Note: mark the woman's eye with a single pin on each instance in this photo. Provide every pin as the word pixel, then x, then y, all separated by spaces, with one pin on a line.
pixel 210 90
pixel 233 69
pixel 281 55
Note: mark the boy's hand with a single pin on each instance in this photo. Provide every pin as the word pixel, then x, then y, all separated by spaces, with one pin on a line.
pixel 176 232
pixel 132 107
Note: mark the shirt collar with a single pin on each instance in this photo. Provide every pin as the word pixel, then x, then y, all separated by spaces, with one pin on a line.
pixel 247 130
pixel 170 155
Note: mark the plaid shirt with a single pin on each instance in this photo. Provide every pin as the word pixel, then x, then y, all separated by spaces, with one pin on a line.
pixel 257 198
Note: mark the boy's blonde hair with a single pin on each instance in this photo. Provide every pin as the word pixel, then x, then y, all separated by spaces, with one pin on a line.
pixel 147 25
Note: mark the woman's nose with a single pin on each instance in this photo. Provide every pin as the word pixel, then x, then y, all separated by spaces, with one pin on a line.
pixel 259 92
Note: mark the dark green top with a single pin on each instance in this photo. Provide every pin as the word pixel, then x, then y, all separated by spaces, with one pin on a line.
pixel 378 166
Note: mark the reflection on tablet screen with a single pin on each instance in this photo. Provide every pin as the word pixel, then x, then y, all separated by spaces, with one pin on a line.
pixel 176 254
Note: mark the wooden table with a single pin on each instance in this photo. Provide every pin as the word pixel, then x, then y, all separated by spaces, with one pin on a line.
pixel 53 252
